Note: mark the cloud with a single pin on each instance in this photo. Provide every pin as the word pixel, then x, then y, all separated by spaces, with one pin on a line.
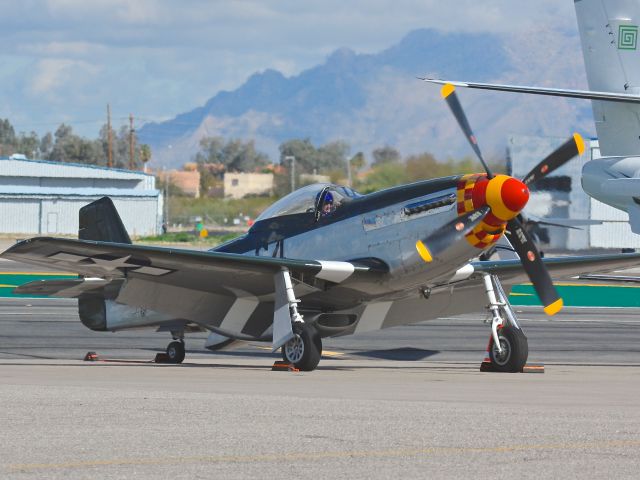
pixel 55 73
pixel 159 58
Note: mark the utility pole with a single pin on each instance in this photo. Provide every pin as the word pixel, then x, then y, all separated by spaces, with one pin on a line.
pixel 166 177
pixel 292 159
pixel 131 140
pixel 109 139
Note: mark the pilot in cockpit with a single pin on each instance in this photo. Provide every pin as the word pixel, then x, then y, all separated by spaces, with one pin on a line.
pixel 328 207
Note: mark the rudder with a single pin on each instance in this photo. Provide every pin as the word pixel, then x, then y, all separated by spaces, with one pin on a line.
pixel 609 38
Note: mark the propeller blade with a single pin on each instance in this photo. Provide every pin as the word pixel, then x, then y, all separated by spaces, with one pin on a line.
pixel 448 92
pixel 534 266
pixel 449 234
pixel 560 156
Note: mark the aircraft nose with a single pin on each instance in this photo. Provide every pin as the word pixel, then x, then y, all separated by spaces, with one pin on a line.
pixel 506 196
pixel 515 194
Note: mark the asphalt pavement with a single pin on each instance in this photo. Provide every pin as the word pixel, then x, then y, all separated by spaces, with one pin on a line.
pixel 406 402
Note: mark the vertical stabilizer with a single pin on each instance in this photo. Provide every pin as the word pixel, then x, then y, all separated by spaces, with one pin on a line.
pixel 609 37
pixel 100 221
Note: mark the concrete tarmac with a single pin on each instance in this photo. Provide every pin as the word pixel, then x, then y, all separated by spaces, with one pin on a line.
pixel 406 402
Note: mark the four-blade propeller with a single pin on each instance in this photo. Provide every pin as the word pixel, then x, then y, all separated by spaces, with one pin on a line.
pixel 515 232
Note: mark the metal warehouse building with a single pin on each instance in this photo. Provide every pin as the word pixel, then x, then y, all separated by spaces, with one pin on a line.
pixel 43 198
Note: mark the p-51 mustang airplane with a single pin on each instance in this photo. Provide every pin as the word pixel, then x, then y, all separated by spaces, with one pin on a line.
pixel 320 262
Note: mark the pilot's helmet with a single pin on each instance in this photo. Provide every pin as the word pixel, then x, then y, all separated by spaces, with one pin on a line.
pixel 328 198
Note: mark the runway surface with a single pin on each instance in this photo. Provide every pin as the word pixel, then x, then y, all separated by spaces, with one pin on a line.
pixel 406 402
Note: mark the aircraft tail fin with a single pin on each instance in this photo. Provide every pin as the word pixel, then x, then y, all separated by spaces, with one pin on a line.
pixel 100 221
pixel 609 38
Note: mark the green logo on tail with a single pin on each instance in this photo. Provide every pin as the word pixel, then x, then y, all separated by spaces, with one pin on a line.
pixel 627 37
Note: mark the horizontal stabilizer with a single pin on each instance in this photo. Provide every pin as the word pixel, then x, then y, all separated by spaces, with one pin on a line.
pixel 61 288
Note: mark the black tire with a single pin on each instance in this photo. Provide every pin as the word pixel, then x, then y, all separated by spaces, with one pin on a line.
pixel 175 352
pixel 515 350
pixel 305 349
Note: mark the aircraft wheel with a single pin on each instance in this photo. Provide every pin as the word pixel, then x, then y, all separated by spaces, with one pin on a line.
pixel 304 349
pixel 515 350
pixel 175 352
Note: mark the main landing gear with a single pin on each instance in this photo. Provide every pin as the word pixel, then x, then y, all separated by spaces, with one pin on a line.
pixel 176 350
pixel 304 349
pixel 300 342
pixel 508 347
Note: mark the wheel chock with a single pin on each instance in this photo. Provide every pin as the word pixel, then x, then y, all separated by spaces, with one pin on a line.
pixel 91 357
pixel 161 358
pixel 487 366
pixel 533 368
pixel 282 366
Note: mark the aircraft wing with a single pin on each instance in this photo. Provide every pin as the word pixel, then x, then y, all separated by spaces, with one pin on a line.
pixel 511 271
pixel 554 92
pixel 468 295
pixel 212 272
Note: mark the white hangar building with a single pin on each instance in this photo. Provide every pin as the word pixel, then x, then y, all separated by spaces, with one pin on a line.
pixel 40 197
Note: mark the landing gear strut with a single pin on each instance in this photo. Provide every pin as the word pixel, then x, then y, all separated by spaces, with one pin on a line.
pixel 298 340
pixel 508 346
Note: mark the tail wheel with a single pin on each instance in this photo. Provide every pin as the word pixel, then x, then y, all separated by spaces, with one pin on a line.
pixel 304 349
pixel 515 350
pixel 175 352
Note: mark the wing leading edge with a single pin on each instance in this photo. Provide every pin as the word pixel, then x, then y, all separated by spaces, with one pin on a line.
pixel 553 92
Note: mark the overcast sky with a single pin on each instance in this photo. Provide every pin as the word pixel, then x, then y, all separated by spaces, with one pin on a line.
pixel 64 60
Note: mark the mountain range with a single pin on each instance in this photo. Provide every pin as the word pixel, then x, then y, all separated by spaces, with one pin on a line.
pixel 371 100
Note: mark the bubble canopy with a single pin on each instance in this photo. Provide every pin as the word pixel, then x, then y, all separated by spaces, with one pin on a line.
pixel 307 199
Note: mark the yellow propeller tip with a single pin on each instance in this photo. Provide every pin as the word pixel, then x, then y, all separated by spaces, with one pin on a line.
pixel 446 90
pixel 579 142
pixel 554 308
pixel 423 251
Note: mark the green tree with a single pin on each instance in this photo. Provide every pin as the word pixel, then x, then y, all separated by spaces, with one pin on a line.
pixel 325 159
pixel 423 166
pixel 7 137
pixel 333 156
pixel 357 162
pixel 145 153
pixel 69 147
pixel 384 175
pixel 235 155
pixel 242 156
pixel 385 154
pixel 28 144
pixel 46 146
pixel 303 151
pixel 210 150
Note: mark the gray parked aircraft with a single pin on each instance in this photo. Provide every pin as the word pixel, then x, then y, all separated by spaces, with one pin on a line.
pixel 323 261
pixel 609 37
